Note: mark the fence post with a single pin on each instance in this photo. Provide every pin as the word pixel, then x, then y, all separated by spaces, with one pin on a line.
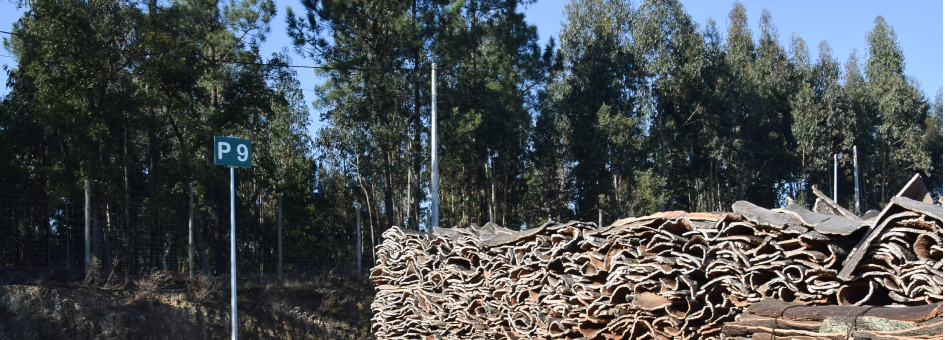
pixel 88 225
pixel 190 230
pixel 357 239
pixel 280 235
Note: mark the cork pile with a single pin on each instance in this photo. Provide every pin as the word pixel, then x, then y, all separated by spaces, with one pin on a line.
pixel 671 275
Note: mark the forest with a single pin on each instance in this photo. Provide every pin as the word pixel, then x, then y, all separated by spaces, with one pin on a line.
pixel 636 108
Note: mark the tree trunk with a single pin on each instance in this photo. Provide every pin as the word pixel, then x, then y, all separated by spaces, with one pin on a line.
pixel 125 221
pixel 483 196
pixel 388 191
pixel 662 127
pixel 157 243
pixel 201 248
pixel 505 193
pixel 408 220
pixel 107 259
pixel 417 130
pixel 96 232
pixel 219 255
pixel 692 174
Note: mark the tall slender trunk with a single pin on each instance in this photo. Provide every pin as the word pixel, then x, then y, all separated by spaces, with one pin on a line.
pixel 387 147
pixel 883 192
pixel 492 203
pixel 107 228
pixel 220 204
pixel 156 244
pixel 17 246
pixel 407 218
pixel 388 191
pixel 257 251
pixel 505 193
pixel 692 176
pixel 47 237
pixel 368 203
pixel 417 127
pixel 201 248
pixel 125 206
pixel 96 232
pixel 96 244
pixel 483 198
pixel 662 156
pixel 219 248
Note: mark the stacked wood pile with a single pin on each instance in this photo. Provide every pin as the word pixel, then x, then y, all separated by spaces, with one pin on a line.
pixel 668 275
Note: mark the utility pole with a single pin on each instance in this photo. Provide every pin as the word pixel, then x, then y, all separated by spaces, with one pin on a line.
pixel 836 157
pixel 434 192
pixel 190 231
pixel 279 218
pixel 856 179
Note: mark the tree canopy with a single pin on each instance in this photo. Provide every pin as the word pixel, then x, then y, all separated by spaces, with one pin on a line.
pixel 637 109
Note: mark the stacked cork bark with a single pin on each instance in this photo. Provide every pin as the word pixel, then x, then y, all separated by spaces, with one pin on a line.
pixel 669 275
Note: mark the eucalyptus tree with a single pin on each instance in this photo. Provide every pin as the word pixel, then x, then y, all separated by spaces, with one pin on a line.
pixel 932 144
pixel 769 127
pixel 489 66
pixel 673 57
pixel 758 89
pixel 824 123
pixel 715 79
pixel 595 99
pixel 863 107
pixel 548 196
pixel 367 50
pixel 899 110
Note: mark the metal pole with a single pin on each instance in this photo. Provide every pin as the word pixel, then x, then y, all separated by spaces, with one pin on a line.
pixel 190 229
pixel 357 239
pixel 434 176
pixel 280 235
pixel 856 179
pixel 88 225
pixel 600 218
pixel 233 250
pixel 835 157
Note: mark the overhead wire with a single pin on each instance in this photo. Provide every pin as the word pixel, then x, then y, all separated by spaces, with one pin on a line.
pixel 327 68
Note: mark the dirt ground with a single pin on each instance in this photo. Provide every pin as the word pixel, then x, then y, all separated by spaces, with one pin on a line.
pixel 164 306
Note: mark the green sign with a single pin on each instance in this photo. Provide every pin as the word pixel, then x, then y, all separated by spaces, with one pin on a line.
pixel 231 151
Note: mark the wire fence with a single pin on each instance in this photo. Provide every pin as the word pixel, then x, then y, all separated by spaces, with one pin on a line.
pixel 54 241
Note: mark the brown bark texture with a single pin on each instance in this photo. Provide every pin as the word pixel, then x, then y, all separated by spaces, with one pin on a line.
pixel 751 273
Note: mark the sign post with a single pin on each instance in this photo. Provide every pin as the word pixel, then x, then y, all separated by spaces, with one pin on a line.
pixel 232 152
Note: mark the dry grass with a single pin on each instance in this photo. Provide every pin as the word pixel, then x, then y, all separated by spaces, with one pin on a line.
pixel 204 288
pixel 158 280
pixel 166 305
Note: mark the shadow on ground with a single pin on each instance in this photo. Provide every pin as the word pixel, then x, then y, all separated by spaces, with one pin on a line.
pixel 166 306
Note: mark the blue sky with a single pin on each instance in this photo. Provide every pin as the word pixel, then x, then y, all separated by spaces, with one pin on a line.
pixel 843 24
